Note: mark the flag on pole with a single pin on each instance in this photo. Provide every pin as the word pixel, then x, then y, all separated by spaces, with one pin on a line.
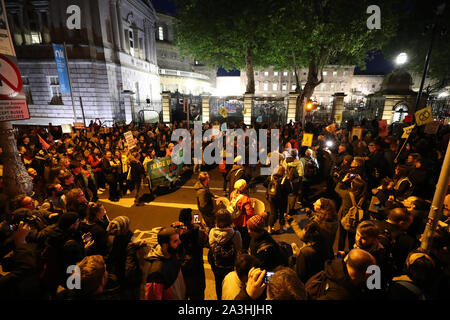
pixel 407 131
pixel 223 112
pixel 45 145
pixel 424 116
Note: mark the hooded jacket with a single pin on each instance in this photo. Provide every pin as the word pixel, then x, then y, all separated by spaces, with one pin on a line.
pixel 205 198
pixel 163 277
pixel 220 236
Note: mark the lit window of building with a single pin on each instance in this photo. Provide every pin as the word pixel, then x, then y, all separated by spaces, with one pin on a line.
pixel 161 33
pixel 325 73
pixel 266 86
pixel 266 73
pixel 334 73
pixel 284 87
pixel 275 73
pixel 294 87
pixel 275 86
pixel 285 73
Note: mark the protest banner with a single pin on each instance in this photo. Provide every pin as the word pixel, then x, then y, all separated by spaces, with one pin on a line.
pixel 162 171
pixel 130 140
pixel 424 116
pixel 383 130
pixel 357 131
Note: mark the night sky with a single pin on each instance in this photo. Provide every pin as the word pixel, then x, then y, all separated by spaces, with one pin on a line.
pixel 378 65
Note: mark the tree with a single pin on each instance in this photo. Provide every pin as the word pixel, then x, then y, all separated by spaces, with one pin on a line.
pixel 414 35
pixel 227 33
pixel 315 33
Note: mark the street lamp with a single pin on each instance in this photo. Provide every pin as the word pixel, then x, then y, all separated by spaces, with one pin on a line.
pixel 401 59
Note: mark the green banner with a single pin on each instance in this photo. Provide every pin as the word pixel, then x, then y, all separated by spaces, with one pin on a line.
pixel 162 171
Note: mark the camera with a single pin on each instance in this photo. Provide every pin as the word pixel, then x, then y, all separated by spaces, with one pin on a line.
pixel 352 175
pixel 29 220
pixel 268 276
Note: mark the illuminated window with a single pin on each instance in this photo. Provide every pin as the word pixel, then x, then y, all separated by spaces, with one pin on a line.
pixel 55 91
pixel 36 37
pixel 27 90
pixel 294 87
pixel 266 86
pixel 284 87
pixel 131 41
pixel 334 73
pixel 325 73
pixel 285 73
pixel 275 86
pixel 161 33
pixel 275 73
pixel 266 73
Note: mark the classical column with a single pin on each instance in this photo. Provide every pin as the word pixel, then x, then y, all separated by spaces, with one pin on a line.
pixel 292 106
pixel 338 106
pixel 115 24
pixel 248 103
pixel 120 25
pixel 205 107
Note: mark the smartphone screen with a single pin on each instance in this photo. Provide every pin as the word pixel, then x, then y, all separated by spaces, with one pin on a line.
pixel 268 276
pixel 196 219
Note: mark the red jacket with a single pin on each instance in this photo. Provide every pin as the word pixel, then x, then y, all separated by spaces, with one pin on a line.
pixel 96 165
pixel 246 208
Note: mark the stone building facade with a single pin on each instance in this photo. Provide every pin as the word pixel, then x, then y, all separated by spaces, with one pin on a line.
pixel 112 58
pixel 274 83
pixel 178 73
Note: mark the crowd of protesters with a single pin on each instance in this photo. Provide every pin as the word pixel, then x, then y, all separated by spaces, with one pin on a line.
pixel 354 202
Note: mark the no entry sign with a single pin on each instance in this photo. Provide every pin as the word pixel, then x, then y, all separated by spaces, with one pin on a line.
pixel 10 79
pixel 13 105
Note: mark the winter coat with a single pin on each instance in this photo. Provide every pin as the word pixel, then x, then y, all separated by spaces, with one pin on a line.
pixel 220 236
pixel 310 260
pixel 333 283
pixel 267 250
pixel 245 207
pixel 205 199
pixel 163 277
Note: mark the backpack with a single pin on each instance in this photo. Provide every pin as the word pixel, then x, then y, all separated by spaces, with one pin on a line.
pixel 292 174
pixel 354 215
pixel 273 189
pixel 233 207
pixel 311 169
pixel 317 286
pixel 224 256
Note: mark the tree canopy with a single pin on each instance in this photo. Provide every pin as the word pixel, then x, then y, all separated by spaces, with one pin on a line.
pixel 413 36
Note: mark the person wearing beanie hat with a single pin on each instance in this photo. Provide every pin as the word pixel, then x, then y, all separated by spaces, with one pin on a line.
pixel 236 173
pixel 262 245
pixel 119 226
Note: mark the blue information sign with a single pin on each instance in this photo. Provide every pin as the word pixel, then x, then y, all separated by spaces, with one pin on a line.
pixel 61 66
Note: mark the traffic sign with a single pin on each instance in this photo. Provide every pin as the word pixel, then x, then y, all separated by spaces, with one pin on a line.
pixel 10 80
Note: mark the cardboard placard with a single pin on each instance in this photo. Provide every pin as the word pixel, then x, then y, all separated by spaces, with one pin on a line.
pixel 424 116
pixel 307 139
pixel 383 130
pixel 130 139
pixel 357 131
pixel 66 128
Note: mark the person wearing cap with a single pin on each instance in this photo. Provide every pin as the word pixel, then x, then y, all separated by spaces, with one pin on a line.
pixel 244 205
pixel 236 173
pixel 262 245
